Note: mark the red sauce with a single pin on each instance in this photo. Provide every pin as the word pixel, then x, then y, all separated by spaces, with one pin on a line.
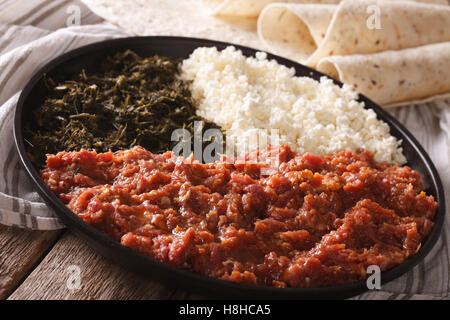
pixel 315 222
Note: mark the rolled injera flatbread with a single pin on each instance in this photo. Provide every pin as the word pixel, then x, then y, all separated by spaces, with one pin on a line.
pixel 288 28
pixel 295 31
pixel 393 78
pixel 252 8
pixel 312 33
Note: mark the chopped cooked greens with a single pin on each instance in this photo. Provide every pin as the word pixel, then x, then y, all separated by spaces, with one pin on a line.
pixel 134 101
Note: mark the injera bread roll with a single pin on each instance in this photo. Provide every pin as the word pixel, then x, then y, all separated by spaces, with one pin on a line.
pixel 347 46
pixel 403 25
pixel 393 78
pixel 287 28
pixel 294 31
pixel 252 8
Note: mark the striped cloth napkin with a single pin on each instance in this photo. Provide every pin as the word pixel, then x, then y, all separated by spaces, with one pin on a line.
pixel 24 48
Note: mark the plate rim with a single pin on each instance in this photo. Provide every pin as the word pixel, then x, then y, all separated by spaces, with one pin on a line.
pixel 101 242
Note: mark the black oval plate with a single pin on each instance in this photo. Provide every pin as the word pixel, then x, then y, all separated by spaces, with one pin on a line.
pixel 90 57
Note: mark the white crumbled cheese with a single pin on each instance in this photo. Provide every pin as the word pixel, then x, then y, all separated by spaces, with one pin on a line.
pixel 242 94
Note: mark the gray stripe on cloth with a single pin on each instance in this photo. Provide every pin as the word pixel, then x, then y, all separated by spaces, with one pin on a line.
pixel 39 6
pixel 28 7
pixel 15 187
pixel 12 69
pixel 9 158
pixel 48 11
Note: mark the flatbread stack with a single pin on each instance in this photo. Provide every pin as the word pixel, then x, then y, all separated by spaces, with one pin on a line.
pixel 396 52
pixel 404 59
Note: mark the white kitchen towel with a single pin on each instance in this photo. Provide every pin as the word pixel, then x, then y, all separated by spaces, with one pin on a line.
pixel 27 47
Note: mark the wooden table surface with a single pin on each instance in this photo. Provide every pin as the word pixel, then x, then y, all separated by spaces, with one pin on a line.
pixel 42 264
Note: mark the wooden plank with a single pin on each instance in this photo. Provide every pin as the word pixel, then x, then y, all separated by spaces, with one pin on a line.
pixel 20 250
pixel 54 277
